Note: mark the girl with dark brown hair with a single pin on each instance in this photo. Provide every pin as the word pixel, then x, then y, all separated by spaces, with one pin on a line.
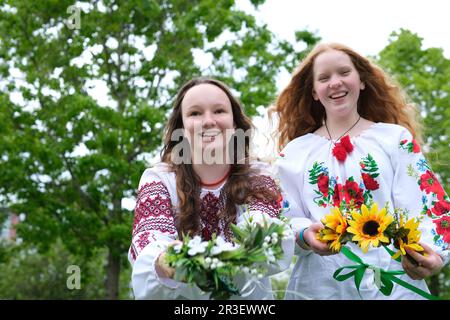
pixel 205 182
pixel 349 138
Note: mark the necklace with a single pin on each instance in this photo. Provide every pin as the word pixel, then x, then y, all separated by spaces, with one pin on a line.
pixel 217 182
pixel 328 131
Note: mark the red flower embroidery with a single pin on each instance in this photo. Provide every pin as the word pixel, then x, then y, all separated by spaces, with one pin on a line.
pixel 443 227
pixel 322 182
pixel 338 194
pixel 350 191
pixel 441 207
pixel 429 183
pixel 353 192
pixel 416 147
pixel 370 182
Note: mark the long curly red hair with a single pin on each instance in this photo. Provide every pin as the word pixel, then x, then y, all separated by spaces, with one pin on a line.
pixel 382 100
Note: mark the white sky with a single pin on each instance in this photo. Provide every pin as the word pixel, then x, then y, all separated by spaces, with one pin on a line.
pixel 363 25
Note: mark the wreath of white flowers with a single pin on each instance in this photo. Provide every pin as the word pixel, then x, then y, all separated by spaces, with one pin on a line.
pixel 213 265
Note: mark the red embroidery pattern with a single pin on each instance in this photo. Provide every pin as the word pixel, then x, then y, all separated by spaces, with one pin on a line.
pixel 153 212
pixel 271 208
pixel 210 207
pixel 153 209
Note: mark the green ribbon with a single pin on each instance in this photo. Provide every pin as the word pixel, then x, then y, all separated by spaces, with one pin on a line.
pixel 384 280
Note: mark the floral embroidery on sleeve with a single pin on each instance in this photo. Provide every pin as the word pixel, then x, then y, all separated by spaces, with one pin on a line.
pixel 411 147
pixel 435 202
pixel 153 212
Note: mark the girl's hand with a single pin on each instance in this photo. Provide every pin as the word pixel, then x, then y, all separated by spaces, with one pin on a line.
pixel 426 265
pixel 319 247
pixel 162 268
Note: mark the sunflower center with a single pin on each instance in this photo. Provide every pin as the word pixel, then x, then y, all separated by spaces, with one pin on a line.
pixel 371 228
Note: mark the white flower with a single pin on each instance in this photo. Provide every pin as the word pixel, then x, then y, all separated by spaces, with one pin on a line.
pixel 196 246
pixel 265 245
pixel 246 270
pixel 221 246
pixel 270 255
pixel 267 239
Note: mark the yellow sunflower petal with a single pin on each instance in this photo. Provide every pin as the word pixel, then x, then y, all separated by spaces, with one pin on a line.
pixel 396 255
pixel 415 247
pixel 365 246
pixel 375 242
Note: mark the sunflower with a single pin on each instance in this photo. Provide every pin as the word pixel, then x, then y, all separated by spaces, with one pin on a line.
pixel 410 239
pixel 335 228
pixel 368 227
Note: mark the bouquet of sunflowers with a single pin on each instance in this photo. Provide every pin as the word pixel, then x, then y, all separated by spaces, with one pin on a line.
pixel 367 227
pixel 213 265
pixel 371 227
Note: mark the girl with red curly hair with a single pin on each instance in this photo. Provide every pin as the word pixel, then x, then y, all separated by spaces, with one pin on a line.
pixel 348 137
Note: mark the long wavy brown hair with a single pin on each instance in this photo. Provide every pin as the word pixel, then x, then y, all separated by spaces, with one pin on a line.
pixel 242 184
pixel 382 100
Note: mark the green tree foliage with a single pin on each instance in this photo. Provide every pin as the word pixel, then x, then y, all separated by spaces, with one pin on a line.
pixel 29 274
pixel 69 158
pixel 425 76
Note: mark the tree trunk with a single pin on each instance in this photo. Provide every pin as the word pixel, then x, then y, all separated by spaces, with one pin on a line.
pixel 112 277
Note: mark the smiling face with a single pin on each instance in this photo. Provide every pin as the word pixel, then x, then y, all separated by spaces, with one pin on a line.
pixel 207 115
pixel 336 83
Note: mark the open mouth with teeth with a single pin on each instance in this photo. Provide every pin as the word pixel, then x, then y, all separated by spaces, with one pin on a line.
pixel 338 95
pixel 210 134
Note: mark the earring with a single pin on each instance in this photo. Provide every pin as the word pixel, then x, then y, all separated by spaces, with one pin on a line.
pixel 362 86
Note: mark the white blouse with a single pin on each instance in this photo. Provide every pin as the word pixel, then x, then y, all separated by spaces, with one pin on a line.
pixel 154 229
pixel 386 165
